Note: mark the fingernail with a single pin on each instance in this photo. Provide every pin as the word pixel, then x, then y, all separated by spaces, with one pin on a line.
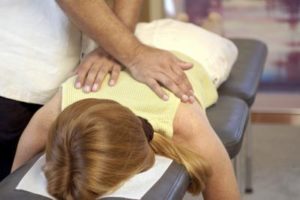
pixel 111 82
pixel 192 99
pixel 184 97
pixel 165 97
pixel 78 85
pixel 87 88
pixel 95 87
pixel 187 64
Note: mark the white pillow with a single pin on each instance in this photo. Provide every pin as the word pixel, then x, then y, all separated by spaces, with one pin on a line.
pixel 215 53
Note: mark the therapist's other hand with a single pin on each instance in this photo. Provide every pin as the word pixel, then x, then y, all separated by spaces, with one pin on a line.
pixel 158 68
pixel 93 69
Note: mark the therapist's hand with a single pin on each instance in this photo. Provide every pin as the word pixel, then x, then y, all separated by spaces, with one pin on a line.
pixel 93 69
pixel 158 68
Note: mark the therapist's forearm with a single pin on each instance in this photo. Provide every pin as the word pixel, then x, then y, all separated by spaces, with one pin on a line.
pixel 98 21
pixel 128 12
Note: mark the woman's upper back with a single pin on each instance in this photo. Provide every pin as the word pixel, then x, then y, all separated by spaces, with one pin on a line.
pixel 143 101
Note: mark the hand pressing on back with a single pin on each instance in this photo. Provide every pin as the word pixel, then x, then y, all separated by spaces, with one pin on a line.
pixel 93 69
pixel 158 68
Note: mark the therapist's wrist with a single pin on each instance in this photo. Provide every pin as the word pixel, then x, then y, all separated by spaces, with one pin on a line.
pixel 136 55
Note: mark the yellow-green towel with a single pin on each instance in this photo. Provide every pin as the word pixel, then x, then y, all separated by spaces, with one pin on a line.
pixel 142 100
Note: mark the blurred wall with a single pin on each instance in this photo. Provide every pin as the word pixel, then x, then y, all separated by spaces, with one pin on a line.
pixel 152 9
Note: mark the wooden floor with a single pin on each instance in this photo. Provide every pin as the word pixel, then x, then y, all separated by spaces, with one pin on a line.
pixel 276 108
pixel 275 118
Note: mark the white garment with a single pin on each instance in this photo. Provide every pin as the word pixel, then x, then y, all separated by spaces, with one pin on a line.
pixel 215 53
pixel 39 47
pixel 136 187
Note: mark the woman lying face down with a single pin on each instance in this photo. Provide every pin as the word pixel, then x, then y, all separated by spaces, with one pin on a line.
pixel 94 146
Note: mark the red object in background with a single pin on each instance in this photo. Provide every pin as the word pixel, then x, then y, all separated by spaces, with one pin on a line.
pixel 291 8
pixel 199 10
pixel 288 11
pixel 283 73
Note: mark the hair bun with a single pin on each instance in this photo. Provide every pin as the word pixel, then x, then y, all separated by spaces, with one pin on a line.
pixel 148 129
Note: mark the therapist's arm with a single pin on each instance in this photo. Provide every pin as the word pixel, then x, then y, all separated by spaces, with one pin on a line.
pixel 128 12
pixel 148 65
pixel 98 63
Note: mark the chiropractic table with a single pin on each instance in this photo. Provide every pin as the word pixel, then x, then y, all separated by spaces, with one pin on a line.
pixel 229 117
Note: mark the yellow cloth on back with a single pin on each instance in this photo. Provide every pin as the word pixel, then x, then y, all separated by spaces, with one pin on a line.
pixel 142 100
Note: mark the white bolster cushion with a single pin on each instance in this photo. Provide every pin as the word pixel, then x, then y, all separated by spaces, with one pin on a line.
pixel 217 54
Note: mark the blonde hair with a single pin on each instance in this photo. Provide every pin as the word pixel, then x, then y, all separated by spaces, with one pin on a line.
pixel 94 146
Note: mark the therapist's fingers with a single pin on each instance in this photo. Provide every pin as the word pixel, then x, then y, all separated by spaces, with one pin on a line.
pixel 82 71
pixel 183 83
pixel 115 72
pixel 163 69
pixel 168 80
pixel 174 78
pixel 103 71
pixel 155 86
pixel 184 65
pixel 184 87
pixel 89 84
